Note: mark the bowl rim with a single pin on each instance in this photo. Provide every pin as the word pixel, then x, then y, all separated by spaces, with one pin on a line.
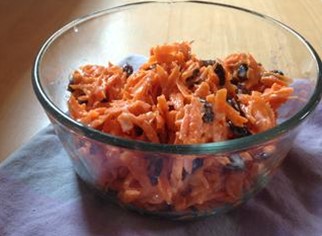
pixel 205 148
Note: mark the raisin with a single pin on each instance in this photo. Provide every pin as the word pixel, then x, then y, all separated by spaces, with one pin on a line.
pixel 241 89
pixel 234 81
pixel 220 72
pixel 138 130
pixel 128 69
pixel 195 72
pixel 69 88
pixel 153 180
pixel 277 72
pixel 235 104
pixel 207 62
pixel 192 80
pixel 184 174
pixel 154 169
pixel 208 115
pixel 196 164
pixel 238 131
pixel 171 107
pixel 83 102
pixel 104 100
pixel 232 102
pixel 236 163
pixel 242 72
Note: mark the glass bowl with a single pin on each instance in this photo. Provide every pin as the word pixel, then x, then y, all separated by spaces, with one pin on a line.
pixel 176 181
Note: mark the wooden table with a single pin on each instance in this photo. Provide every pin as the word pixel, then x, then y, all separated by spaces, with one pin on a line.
pixel 25 24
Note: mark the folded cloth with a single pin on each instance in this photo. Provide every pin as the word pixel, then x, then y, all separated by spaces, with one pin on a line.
pixel 41 195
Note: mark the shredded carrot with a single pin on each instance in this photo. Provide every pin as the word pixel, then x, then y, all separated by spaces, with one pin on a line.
pixel 176 98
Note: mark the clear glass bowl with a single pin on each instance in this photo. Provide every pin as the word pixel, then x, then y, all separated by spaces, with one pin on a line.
pixel 233 170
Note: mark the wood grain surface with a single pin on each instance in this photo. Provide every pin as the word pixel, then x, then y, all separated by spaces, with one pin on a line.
pixel 25 25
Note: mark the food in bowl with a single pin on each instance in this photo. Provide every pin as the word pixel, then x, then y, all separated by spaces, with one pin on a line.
pixel 177 98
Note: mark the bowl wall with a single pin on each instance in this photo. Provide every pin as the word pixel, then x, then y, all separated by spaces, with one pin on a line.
pixel 235 173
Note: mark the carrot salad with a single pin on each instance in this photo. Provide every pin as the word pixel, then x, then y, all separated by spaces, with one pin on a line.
pixel 177 98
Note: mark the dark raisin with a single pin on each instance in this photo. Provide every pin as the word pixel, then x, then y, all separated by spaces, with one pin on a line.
pixel 235 104
pixel 238 131
pixel 220 72
pixel 192 80
pixel 196 164
pixel 153 180
pixel 184 174
pixel 128 69
pixel 208 115
pixel 195 72
pixel 232 102
pixel 277 72
pixel 154 169
pixel 104 100
pixel 207 62
pixel 83 102
pixel 171 107
pixel 241 89
pixel 242 72
pixel 138 130
pixel 69 88
pixel 234 81
pixel 236 163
